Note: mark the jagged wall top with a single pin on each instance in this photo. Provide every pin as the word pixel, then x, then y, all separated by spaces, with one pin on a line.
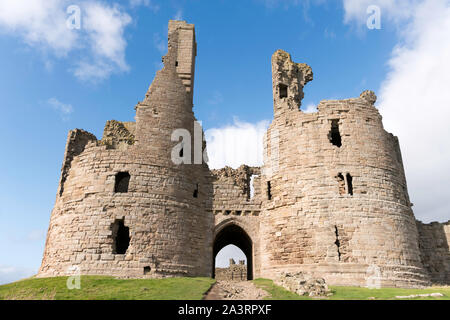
pixel 289 79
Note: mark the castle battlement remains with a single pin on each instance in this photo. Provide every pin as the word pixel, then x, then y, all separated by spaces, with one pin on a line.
pixel 331 199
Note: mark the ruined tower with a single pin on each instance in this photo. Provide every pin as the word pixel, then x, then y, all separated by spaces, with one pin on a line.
pixel 124 207
pixel 336 202
pixel 331 199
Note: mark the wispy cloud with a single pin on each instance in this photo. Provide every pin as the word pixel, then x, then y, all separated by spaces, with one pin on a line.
pixel 147 3
pixel 42 24
pixel 310 108
pixel 160 43
pixel 65 110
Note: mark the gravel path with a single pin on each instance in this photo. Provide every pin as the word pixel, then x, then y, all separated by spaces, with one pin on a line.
pixel 232 290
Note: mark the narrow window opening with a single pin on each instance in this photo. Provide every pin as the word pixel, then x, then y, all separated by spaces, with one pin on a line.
pixel 350 184
pixel 176 63
pixel 147 270
pixel 269 191
pixel 335 135
pixel 283 91
pixel 121 236
pixel 341 183
pixel 338 243
pixel 122 182
pixel 195 195
pixel 182 153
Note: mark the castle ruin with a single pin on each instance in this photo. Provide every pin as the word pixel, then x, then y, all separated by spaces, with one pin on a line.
pixel 331 199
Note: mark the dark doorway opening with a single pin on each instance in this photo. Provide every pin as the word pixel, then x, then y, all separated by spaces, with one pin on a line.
pixel 122 182
pixel 121 236
pixel 234 235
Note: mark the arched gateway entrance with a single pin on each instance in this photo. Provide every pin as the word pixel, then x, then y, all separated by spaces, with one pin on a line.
pixel 235 235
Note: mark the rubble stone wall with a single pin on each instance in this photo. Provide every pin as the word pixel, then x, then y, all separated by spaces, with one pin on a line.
pixel 434 243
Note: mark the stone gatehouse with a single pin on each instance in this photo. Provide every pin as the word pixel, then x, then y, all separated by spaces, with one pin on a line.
pixel 331 198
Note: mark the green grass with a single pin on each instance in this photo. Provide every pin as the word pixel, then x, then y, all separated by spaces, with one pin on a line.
pixel 357 293
pixel 277 292
pixel 107 288
pixel 352 293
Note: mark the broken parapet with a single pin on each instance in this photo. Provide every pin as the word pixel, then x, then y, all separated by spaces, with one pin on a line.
pixel 118 134
pixel 289 79
pixel 369 96
pixel 240 176
pixel 76 142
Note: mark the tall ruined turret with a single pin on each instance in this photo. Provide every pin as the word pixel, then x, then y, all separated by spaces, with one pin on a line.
pixel 336 202
pixel 331 199
pixel 124 207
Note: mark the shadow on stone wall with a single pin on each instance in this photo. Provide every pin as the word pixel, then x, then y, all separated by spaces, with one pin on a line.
pixel 434 243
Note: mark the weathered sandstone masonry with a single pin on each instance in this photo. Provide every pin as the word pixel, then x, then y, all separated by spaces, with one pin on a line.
pixel 330 201
pixel 235 272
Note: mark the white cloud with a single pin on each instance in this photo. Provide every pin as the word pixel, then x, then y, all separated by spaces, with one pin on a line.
pixel 310 108
pixel 415 100
pixel 105 28
pixel 64 109
pixel 10 274
pixel 147 3
pixel 236 144
pixel 42 24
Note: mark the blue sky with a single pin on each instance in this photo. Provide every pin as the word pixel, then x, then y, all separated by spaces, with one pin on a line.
pixel 53 80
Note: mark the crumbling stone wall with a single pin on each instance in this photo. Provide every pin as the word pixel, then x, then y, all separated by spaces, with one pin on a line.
pixel 434 244
pixel 235 205
pixel 330 201
pixel 169 228
pixel 314 223
pixel 235 272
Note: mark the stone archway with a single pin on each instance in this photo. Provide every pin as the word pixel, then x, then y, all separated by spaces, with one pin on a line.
pixel 235 235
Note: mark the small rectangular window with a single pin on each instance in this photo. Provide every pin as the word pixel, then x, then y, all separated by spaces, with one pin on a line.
pixel 122 182
pixel 349 184
pixel 269 191
pixel 195 195
pixel 283 91
pixel 341 183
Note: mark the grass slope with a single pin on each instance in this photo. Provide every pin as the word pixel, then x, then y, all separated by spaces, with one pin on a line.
pixel 353 293
pixel 107 288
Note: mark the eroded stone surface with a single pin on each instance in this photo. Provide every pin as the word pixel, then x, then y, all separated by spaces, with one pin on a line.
pixel 330 201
